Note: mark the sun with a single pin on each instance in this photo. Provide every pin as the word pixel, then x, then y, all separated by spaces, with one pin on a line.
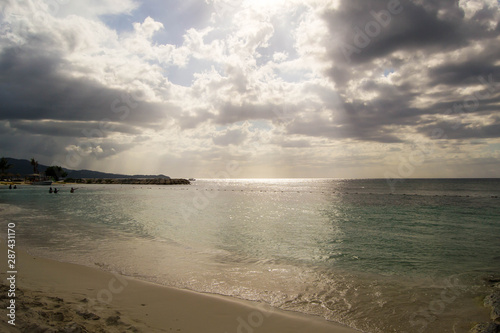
pixel 265 4
pixel 230 7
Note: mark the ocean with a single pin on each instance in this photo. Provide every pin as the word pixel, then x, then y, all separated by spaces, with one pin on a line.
pixel 411 258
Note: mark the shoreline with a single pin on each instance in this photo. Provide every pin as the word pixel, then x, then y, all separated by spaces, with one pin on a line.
pixel 109 181
pixel 77 298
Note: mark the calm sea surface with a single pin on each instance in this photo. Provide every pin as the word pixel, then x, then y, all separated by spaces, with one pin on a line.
pixel 409 259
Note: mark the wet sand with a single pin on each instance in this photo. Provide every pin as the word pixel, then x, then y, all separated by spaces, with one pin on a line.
pixel 60 297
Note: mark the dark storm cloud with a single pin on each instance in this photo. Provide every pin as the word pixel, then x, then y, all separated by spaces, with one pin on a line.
pixel 458 130
pixel 33 88
pixel 17 144
pixel 363 31
pixel 467 105
pixel 362 121
pixel 430 25
pixel 318 127
pixel 44 111
pixel 70 128
pixel 464 73
pixel 367 37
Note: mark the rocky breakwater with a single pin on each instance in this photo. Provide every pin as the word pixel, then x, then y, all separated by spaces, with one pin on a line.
pixel 141 181
pixel 491 301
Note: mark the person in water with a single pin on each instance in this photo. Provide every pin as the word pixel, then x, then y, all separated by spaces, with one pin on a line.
pixel 15 187
pixel 50 190
pixel 10 187
pixel 72 190
pixel 55 189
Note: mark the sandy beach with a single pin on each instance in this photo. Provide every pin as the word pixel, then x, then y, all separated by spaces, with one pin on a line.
pixel 60 297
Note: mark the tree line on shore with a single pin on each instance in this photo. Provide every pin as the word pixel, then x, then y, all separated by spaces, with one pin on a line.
pixel 57 173
pixel 54 172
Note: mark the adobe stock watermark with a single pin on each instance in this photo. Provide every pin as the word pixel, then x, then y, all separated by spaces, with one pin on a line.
pixel 54 6
pixel 363 37
pixel 255 319
pixel 202 199
pixel 425 315
pixel 121 107
pixel 51 7
pixel 104 296
pixel 39 11
pixel 283 113
pixel 423 149
pixel 224 8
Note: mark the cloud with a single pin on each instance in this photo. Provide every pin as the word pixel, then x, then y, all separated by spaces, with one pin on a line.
pixel 54 95
pixel 230 137
pixel 74 129
pixel 431 48
pixel 461 131
pixel 349 83
pixel 465 73
pixel 293 143
pixel 94 8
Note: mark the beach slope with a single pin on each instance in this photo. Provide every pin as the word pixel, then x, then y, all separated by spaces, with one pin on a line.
pixel 62 297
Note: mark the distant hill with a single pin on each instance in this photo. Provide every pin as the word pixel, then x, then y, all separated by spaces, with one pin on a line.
pixel 97 174
pixel 24 167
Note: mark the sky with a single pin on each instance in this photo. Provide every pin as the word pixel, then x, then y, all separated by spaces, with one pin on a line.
pixel 253 89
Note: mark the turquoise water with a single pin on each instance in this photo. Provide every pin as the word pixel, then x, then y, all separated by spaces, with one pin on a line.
pixel 408 259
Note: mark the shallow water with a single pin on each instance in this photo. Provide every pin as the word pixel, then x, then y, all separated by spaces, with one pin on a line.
pixel 409 259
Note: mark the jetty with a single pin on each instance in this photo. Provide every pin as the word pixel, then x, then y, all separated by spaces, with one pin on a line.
pixel 138 181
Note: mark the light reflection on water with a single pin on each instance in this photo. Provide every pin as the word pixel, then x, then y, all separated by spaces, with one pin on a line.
pixel 351 251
